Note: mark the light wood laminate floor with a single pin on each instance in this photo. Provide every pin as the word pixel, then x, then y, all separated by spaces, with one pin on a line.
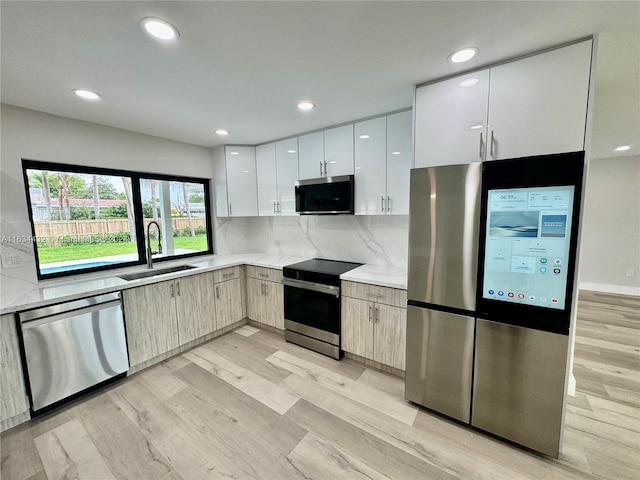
pixel 248 405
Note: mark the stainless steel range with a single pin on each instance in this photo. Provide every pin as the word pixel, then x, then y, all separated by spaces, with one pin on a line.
pixel 312 304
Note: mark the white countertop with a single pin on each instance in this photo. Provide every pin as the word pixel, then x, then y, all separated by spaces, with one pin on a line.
pixel 75 287
pixel 394 277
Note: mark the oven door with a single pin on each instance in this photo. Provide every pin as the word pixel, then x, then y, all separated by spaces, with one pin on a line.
pixel 312 309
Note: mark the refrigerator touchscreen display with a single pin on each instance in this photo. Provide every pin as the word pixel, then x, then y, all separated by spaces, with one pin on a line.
pixel 527 244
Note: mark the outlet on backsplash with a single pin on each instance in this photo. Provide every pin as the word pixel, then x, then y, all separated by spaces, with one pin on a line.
pixel 10 260
pixel 631 273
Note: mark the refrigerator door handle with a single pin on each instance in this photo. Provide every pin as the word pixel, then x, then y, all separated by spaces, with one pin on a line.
pixel 480 153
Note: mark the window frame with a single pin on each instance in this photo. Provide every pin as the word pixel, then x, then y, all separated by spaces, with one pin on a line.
pixel 135 177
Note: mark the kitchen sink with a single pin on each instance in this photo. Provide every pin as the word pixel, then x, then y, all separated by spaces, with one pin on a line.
pixel 154 272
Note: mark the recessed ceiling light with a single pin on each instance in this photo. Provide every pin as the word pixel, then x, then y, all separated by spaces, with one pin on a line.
pixel 364 136
pixel 234 153
pixel 159 29
pixel 476 127
pixel 622 148
pixel 463 55
pixel 395 153
pixel 222 131
pixel 245 171
pixel 333 162
pixel 291 151
pixel 469 82
pixel 86 94
pixel 306 105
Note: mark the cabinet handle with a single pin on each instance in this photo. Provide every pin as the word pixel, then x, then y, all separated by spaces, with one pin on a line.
pixel 274 208
pixel 266 287
pixel 372 294
pixel 172 291
pixel 382 204
pixel 321 169
pixel 325 168
pixel 227 275
pixel 264 275
pixel 491 152
pixel 370 312
pixel 230 211
pixel 218 292
pixel 377 314
pixel 178 288
pixel 480 152
pixel 279 208
pixel 388 204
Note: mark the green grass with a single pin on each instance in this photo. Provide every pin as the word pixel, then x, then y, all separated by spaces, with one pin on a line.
pixel 69 253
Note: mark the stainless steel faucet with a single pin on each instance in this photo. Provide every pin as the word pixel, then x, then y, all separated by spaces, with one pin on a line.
pixel 149 251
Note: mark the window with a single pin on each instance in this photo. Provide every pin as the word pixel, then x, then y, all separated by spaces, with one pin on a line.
pixel 180 211
pixel 87 219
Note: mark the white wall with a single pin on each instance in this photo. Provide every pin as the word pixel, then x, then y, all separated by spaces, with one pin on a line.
pixel 611 226
pixel 39 136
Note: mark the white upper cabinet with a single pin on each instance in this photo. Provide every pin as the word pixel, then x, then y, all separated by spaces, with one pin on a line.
pixel 311 155
pixel 370 166
pixel 398 162
pixel 287 174
pixel 451 120
pixel 533 106
pixel 242 191
pixel 220 182
pixel 338 151
pixel 266 179
pixel 538 105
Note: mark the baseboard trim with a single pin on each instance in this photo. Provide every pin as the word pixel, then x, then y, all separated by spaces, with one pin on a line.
pixel 606 288
pixel 14 421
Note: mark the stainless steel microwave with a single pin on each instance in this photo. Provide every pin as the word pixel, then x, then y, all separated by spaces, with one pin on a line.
pixel 325 196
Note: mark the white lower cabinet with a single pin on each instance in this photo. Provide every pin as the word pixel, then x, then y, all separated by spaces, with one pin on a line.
pixel 265 296
pixel 13 395
pixel 371 328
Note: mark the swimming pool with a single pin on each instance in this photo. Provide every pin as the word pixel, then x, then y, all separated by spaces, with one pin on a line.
pixel 77 266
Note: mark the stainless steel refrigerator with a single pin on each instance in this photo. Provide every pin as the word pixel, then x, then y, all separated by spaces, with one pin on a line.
pixel 442 277
pixel 492 257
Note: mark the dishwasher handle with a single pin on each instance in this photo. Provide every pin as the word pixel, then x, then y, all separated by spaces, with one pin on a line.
pixel 68 307
pixel 36 322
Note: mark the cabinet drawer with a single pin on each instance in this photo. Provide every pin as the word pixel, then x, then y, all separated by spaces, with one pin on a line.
pixel 261 273
pixel 375 293
pixel 225 274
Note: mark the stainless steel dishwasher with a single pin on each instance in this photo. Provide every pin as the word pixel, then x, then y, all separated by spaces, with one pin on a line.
pixel 72 347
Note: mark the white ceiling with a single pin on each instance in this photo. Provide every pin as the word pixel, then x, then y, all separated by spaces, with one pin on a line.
pixel 245 65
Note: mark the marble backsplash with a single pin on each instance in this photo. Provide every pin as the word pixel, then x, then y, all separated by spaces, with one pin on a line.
pixel 377 240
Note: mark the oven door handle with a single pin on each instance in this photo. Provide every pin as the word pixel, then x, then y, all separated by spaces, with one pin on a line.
pixel 316 287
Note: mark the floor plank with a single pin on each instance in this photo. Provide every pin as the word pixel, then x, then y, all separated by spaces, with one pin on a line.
pixel 315 457
pixel 270 394
pixel 386 404
pixel 68 452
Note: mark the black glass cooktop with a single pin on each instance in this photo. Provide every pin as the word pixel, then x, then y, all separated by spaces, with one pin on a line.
pixel 319 270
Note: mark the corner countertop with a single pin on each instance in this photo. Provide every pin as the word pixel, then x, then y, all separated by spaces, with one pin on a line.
pixel 72 288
